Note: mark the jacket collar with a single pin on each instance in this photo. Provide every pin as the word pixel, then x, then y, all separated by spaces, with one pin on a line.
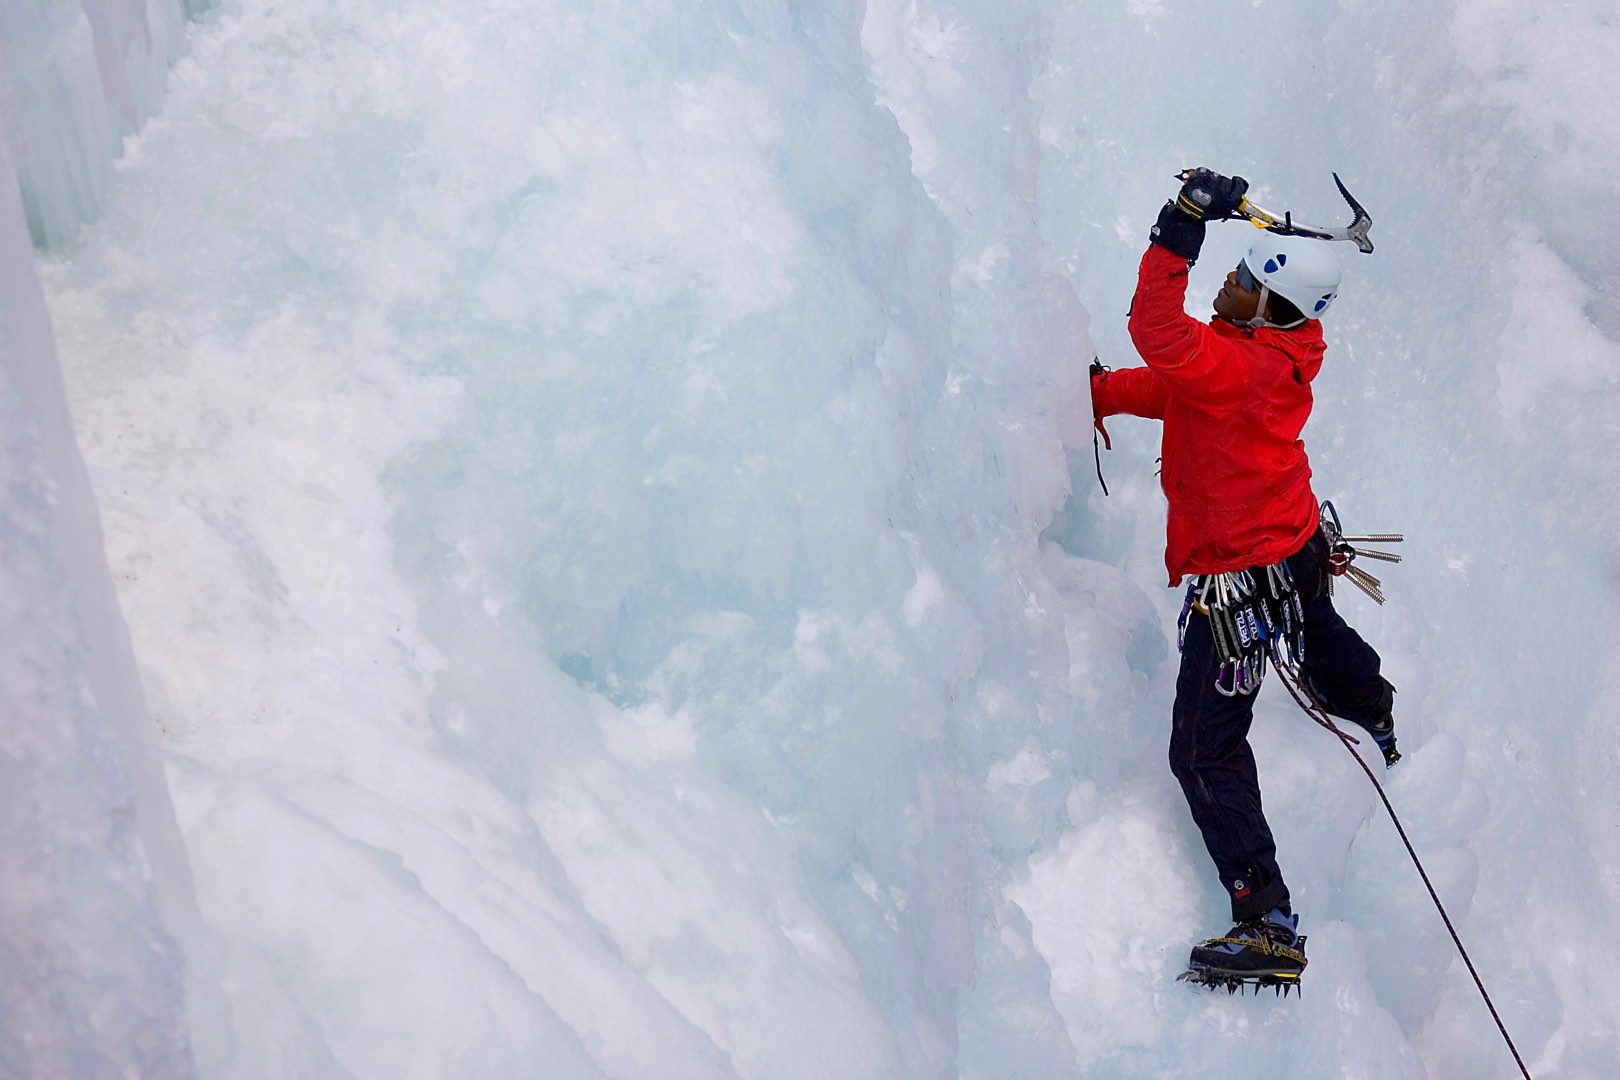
pixel 1304 345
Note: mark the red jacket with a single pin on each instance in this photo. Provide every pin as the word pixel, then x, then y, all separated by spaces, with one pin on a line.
pixel 1233 404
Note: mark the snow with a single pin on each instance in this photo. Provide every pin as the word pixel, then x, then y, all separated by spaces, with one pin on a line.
pixel 602 500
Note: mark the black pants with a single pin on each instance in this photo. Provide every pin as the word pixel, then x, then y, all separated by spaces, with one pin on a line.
pixel 1209 740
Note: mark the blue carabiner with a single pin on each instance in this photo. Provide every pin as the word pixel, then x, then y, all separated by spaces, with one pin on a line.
pixel 1186 613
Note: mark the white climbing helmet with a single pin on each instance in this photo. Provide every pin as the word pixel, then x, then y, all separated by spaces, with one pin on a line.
pixel 1303 271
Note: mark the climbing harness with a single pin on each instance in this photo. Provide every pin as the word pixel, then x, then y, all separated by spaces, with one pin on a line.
pixel 1257 615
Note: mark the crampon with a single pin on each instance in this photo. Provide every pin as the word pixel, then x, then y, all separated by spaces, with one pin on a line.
pixel 1233 983
pixel 1258 952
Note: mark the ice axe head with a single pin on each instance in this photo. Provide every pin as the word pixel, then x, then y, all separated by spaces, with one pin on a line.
pixel 1358 232
pixel 1361 225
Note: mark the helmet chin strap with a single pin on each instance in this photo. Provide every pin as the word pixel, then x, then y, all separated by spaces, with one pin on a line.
pixel 1259 321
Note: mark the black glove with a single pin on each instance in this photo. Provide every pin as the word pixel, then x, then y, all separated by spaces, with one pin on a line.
pixel 1179 231
pixel 1205 196
pixel 1211 196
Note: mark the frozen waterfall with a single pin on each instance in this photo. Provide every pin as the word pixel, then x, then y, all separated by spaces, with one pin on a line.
pixel 576 551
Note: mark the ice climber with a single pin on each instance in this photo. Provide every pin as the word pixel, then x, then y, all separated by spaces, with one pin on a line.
pixel 1234 395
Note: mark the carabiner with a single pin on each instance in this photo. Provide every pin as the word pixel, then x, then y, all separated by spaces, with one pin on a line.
pixel 1186 614
pixel 1329 514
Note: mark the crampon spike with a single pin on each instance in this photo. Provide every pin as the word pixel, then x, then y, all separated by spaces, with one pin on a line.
pixel 1282 985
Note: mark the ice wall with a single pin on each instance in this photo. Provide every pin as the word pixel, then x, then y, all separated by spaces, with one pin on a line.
pixel 650 326
pixel 588 486
pixel 94 886
pixel 97 899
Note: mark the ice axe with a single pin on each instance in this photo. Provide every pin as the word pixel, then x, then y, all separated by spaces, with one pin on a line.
pixel 1284 223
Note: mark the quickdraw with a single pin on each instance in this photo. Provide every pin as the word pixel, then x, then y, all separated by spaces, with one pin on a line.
pixel 1251 618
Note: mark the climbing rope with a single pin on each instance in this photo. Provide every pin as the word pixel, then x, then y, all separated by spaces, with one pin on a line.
pixel 1313 708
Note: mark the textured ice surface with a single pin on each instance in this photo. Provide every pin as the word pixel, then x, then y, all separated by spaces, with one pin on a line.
pixel 79 75
pixel 589 485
